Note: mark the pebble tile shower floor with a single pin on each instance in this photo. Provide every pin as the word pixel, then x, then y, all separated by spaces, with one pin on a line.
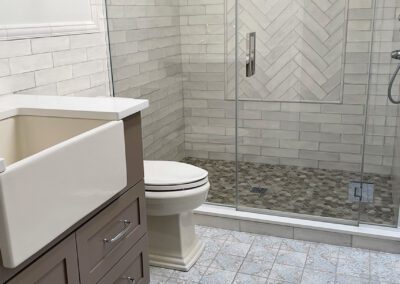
pixel 291 189
pixel 237 257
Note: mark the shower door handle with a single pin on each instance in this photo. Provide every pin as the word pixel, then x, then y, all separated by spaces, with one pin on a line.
pixel 251 54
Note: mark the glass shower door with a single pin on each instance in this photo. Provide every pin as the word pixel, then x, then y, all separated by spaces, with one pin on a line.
pixel 381 171
pixel 300 108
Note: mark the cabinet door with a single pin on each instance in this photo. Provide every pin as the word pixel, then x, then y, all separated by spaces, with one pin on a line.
pixel 59 265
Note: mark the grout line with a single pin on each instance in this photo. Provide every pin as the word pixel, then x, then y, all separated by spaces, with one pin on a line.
pixel 337 264
pixel 251 245
pixel 276 256
pixel 305 263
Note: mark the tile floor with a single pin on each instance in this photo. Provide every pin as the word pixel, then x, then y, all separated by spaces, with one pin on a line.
pixel 291 189
pixel 237 257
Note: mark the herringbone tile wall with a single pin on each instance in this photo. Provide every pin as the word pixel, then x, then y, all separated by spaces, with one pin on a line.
pixel 300 49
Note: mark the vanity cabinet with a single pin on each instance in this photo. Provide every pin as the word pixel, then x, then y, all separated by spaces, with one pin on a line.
pixel 109 248
pixel 109 245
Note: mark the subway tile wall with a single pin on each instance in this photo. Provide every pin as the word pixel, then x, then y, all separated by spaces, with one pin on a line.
pixel 146 63
pixel 73 65
pixel 304 134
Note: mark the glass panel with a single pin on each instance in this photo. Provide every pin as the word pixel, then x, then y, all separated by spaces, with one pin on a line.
pixel 301 116
pixel 146 63
pixel 209 117
pixel 173 54
pixel 380 204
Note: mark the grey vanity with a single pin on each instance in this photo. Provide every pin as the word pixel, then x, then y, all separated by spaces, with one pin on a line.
pixel 107 246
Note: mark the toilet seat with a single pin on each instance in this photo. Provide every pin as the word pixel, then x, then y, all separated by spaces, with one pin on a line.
pixel 167 176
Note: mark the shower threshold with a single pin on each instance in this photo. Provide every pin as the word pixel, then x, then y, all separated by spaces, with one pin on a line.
pixel 372 237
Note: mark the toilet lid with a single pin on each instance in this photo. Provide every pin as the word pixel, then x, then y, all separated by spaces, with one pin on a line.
pixel 170 174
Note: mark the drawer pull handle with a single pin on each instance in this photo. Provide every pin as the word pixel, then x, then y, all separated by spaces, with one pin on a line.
pixel 127 226
pixel 131 279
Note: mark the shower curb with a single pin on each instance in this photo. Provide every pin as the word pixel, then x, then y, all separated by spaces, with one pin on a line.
pixel 363 236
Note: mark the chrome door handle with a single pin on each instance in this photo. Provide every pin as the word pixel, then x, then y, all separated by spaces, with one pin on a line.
pixel 127 226
pixel 251 54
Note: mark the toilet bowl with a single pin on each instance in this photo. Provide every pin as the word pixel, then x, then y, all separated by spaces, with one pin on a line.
pixel 173 191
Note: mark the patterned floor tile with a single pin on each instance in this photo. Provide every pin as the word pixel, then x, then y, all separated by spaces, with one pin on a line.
pixel 268 241
pixel 321 264
pixel 216 234
pixel 347 279
pixel 211 244
pixel 324 250
pixel 179 281
pixel 194 274
pixel 160 271
pixel 217 276
pixel 249 279
pixel 385 259
pixel 256 267
pixel 262 253
pixel 291 258
pixel 158 279
pixel 200 230
pixel 355 266
pixel 295 245
pixel 235 248
pixel 241 237
pixel 207 257
pixel 317 277
pixel 227 262
pixel 286 273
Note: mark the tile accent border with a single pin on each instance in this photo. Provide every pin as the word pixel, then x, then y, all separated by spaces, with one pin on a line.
pixel 46 30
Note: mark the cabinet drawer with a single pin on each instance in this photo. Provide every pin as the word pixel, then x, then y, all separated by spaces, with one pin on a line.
pixel 132 268
pixel 109 235
pixel 59 265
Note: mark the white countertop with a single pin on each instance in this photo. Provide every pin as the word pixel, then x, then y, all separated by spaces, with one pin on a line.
pixel 107 108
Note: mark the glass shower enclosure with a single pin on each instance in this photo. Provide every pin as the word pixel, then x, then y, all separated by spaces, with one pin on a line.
pixel 318 132
pixel 283 102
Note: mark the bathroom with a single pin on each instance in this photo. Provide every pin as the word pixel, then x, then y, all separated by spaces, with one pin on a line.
pixel 284 104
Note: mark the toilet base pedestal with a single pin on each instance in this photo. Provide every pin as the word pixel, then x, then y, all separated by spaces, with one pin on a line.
pixel 173 242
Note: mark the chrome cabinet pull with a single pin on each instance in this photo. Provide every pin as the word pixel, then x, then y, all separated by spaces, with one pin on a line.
pixel 127 226
pixel 251 54
pixel 131 279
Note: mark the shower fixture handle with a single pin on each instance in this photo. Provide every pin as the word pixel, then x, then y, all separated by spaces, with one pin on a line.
pixel 251 54
pixel 395 55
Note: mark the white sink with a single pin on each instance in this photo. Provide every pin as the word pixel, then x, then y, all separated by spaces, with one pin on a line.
pixel 57 171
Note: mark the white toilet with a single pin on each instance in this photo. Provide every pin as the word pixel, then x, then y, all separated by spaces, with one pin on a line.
pixel 173 191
